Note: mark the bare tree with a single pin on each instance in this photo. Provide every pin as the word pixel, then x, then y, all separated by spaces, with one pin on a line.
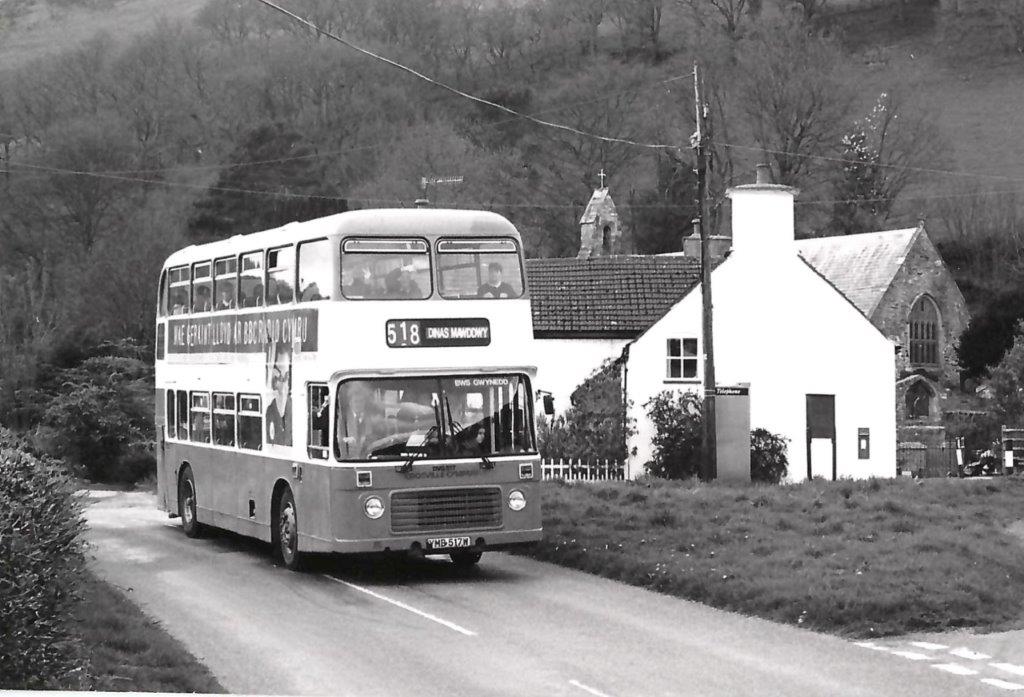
pixel 730 12
pixel 639 22
pixel 791 94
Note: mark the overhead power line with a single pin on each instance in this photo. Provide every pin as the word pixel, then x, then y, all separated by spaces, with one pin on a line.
pixel 465 95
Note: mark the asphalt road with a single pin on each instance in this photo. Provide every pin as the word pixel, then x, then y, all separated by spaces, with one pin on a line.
pixel 511 627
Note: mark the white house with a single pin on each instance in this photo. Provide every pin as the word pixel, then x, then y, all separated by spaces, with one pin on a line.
pixel 820 373
pixel 586 310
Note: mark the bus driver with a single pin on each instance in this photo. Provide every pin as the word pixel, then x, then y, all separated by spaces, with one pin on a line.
pixel 363 421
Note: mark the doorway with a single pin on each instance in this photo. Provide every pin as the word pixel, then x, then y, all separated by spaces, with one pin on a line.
pixel 821 436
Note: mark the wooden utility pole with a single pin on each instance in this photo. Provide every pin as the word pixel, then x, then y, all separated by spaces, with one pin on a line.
pixel 709 454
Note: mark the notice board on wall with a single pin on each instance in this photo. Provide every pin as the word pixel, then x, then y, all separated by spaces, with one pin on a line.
pixel 732 431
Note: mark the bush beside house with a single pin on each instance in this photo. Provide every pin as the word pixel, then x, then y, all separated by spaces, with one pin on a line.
pixel 595 427
pixel 678 422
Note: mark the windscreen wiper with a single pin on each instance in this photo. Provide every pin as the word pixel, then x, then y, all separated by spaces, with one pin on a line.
pixel 438 418
pixel 485 463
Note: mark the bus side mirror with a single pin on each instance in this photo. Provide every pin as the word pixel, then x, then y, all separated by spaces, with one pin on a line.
pixel 549 405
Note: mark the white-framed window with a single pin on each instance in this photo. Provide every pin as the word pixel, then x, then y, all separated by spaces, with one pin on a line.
pixel 224 418
pixel 681 359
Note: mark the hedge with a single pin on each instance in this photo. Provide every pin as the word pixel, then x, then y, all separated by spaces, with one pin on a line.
pixel 41 561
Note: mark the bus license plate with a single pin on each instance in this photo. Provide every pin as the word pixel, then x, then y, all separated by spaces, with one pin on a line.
pixel 448 542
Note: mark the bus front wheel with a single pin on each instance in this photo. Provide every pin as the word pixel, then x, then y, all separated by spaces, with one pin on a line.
pixel 286 532
pixel 187 503
pixel 465 560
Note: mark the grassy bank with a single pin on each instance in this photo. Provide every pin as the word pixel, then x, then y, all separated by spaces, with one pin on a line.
pixel 127 651
pixel 855 558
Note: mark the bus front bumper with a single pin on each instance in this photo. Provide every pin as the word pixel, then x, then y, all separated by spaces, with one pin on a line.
pixel 420 544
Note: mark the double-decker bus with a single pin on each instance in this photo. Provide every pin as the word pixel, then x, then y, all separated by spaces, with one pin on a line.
pixel 355 383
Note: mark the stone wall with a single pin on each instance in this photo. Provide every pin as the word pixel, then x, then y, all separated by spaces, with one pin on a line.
pixel 924 273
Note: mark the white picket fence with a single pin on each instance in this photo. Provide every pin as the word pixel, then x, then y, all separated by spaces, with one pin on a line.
pixel 577 470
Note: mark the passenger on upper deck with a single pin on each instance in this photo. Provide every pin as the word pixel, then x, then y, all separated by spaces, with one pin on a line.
pixel 202 300
pixel 361 286
pixel 226 301
pixel 400 284
pixel 311 292
pixel 495 286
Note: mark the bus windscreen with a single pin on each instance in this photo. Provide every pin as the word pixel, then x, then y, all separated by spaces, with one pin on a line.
pixel 474 416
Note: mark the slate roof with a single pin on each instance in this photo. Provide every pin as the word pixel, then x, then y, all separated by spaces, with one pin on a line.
pixel 606 297
pixel 861 267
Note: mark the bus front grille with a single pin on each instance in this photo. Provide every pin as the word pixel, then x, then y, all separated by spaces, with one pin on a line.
pixel 445 509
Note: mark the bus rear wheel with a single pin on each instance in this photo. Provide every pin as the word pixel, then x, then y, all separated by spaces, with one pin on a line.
pixel 466 560
pixel 286 533
pixel 187 503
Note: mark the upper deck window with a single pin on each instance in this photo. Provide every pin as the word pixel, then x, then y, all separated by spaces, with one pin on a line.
pixel 178 290
pixel 202 287
pixel 315 272
pixel 250 290
pixel 385 269
pixel 280 275
pixel 479 269
pixel 225 283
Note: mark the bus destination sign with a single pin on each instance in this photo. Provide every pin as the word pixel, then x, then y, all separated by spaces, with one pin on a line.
pixel 432 333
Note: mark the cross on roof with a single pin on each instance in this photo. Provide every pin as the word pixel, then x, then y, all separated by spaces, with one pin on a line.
pixel 602 175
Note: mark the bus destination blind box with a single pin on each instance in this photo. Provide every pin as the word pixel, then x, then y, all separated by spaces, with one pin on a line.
pixel 433 333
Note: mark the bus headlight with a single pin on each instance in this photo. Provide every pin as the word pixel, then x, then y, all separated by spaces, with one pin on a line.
pixel 516 500
pixel 374 507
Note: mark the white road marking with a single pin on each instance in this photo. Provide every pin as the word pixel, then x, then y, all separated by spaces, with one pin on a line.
pixel 404 606
pixel 928 646
pixel 912 655
pixel 954 668
pixel 1009 668
pixel 871 645
pixel 964 652
pixel 1002 684
pixel 586 688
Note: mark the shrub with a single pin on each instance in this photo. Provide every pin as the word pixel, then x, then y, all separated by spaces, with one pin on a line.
pixel 769 457
pixel 595 427
pixel 41 549
pixel 677 421
pixel 101 417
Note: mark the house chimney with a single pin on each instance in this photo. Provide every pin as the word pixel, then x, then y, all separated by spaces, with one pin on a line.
pixel 762 216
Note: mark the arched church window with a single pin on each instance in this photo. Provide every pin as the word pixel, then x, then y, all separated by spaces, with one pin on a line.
pixel 919 399
pixel 606 239
pixel 924 332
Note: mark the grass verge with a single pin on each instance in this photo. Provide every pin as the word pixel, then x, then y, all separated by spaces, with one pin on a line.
pixel 860 559
pixel 127 651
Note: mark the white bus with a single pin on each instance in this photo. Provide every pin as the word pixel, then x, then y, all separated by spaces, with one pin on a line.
pixel 355 383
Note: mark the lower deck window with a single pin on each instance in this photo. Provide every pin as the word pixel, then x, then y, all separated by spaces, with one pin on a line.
pixel 182 415
pixel 200 413
pixel 224 419
pixel 250 422
pixel 319 422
